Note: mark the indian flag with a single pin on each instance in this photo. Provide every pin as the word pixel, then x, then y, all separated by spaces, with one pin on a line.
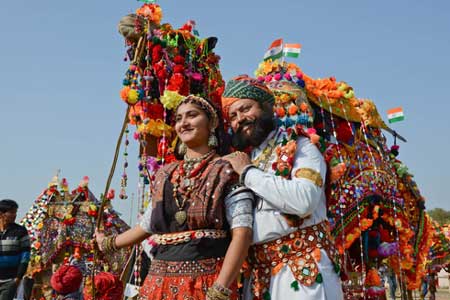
pixel 275 50
pixel 292 50
pixel 395 115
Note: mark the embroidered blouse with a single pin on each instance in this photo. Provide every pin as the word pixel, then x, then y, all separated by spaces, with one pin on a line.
pixel 232 209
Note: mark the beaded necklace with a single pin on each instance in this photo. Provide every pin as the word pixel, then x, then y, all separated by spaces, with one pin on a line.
pixel 184 181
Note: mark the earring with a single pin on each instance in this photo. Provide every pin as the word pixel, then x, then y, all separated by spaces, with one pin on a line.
pixel 182 149
pixel 212 141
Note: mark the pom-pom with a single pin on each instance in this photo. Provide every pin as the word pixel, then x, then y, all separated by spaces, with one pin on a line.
pixel 197 76
pixel 288 76
pixel 110 195
pixel 133 97
pixel 292 110
pixel 387 249
pixel 280 111
pixel 171 99
pixel 124 93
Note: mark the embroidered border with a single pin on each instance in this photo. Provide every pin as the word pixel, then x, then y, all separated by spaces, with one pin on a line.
pixel 310 174
pixel 184 268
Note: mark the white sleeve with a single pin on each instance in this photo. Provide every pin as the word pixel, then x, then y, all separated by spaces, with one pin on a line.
pixel 146 219
pixel 239 208
pixel 299 195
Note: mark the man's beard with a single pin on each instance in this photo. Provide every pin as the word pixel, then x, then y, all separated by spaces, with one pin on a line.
pixel 261 129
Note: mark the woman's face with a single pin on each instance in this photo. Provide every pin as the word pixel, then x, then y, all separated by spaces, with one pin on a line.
pixel 192 125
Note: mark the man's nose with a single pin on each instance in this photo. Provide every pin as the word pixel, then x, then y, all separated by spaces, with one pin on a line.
pixel 240 118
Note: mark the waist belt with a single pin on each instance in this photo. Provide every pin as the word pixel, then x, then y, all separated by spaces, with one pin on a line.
pixel 185 268
pixel 299 250
pixel 187 236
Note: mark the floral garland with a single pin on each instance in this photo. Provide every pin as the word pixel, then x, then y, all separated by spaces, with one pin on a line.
pixel 293 112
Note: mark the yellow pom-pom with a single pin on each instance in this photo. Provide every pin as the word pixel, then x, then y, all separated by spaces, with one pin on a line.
pixel 133 97
pixel 170 99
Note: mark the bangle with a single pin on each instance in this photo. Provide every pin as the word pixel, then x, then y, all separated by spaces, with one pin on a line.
pixel 244 172
pixel 218 292
pixel 222 289
pixel 109 244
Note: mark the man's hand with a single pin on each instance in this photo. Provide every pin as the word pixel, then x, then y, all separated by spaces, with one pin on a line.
pixel 238 160
pixel 17 281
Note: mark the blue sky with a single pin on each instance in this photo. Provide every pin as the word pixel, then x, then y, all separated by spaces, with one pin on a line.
pixel 61 68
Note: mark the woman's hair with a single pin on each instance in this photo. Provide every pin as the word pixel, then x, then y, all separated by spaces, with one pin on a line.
pixel 214 115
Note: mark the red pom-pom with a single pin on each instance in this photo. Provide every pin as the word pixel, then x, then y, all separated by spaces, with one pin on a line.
pixel 178 69
pixel 178 60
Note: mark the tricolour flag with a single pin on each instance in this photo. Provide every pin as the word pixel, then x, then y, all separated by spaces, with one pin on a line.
pixel 292 50
pixel 395 115
pixel 275 50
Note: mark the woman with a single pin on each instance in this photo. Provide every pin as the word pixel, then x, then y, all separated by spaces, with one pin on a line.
pixel 199 217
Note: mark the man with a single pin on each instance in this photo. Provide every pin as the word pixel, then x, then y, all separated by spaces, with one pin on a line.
pixel 14 250
pixel 66 282
pixel 293 255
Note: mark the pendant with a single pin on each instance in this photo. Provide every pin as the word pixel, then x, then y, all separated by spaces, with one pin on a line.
pixel 180 217
pixel 187 182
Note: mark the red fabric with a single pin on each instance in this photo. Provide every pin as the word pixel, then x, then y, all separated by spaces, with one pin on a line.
pixel 180 287
pixel 107 287
pixel 67 279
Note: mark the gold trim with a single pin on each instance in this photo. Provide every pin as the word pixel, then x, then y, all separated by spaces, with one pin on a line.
pixel 310 174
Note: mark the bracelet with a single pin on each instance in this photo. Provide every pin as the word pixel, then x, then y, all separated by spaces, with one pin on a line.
pixel 213 294
pixel 244 172
pixel 109 243
pixel 218 292
pixel 222 289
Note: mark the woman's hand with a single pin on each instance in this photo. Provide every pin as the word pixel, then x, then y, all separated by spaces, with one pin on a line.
pixel 99 238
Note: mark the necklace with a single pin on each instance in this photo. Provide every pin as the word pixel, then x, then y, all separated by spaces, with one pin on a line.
pixel 262 160
pixel 184 181
pixel 189 163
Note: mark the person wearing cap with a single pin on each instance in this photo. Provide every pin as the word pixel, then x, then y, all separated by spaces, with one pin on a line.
pixel 107 287
pixel 292 256
pixel 66 282
pixel 14 250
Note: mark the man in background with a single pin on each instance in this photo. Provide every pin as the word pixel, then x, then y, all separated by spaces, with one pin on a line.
pixel 14 250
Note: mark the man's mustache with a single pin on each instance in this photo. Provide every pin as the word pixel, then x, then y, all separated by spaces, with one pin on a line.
pixel 245 123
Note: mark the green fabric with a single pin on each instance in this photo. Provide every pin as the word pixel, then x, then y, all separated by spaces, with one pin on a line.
pixel 294 285
pixel 244 87
pixel 319 278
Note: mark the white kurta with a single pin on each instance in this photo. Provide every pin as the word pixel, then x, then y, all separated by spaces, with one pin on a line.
pixel 297 196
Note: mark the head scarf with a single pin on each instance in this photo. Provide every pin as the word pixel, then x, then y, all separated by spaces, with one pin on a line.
pixel 244 87
pixel 107 287
pixel 67 279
